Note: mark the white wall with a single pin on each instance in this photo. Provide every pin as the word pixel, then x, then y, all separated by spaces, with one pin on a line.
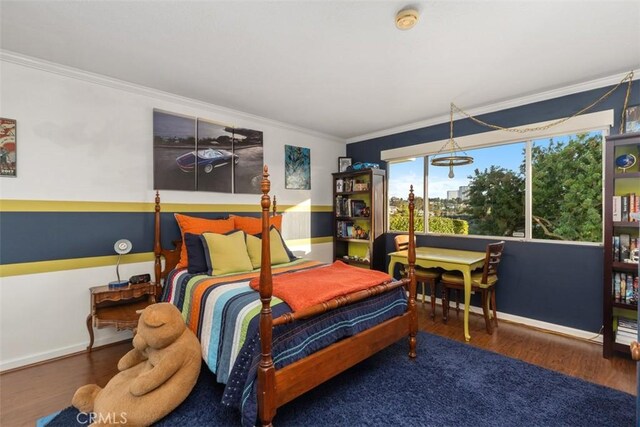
pixel 83 137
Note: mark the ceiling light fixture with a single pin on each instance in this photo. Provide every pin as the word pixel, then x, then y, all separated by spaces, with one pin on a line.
pixel 450 150
pixel 448 155
pixel 406 19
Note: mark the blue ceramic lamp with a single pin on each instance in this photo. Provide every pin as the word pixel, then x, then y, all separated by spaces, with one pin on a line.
pixel 122 247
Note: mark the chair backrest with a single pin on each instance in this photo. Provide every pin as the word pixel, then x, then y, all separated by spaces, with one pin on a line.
pixel 402 242
pixel 492 259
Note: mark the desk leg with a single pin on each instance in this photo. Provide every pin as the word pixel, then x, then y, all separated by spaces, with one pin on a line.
pixel 90 328
pixel 467 301
pixel 392 266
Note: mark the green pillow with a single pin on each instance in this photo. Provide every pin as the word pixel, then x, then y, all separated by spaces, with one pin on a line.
pixel 226 253
pixel 279 254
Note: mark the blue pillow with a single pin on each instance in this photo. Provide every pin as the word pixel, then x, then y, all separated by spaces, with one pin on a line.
pixel 197 261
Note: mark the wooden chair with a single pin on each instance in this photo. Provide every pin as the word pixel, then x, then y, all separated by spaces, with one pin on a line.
pixel 424 276
pixel 483 281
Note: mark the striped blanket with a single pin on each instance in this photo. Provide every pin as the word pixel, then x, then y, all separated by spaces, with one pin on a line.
pixel 224 311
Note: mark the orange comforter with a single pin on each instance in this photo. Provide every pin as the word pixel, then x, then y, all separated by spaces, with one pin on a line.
pixel 307 288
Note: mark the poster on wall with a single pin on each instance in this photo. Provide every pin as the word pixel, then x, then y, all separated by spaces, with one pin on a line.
pixel 215 157
pixel 196 154
pixel 8 147
pixel 248 148
pixel 297 167
pixel 174 151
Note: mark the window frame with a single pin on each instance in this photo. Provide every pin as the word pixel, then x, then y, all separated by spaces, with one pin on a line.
pixel 601 121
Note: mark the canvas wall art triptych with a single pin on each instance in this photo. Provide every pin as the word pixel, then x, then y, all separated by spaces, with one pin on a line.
pixel 197 154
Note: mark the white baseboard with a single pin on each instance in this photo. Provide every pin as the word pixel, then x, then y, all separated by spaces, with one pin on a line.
pixel 538 324
pixel 58 352
pixel 551 327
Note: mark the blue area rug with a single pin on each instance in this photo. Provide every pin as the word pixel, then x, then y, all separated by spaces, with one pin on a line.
pixel 449 384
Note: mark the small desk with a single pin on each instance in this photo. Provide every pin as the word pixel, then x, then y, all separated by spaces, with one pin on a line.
pixel 447 259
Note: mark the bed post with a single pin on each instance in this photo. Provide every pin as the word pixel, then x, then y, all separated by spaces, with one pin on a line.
pixel 266 369
pixel 275 208
pixel 157 248
pixel 413 315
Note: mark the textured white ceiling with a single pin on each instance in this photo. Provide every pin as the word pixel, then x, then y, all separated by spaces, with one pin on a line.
pixel 337 67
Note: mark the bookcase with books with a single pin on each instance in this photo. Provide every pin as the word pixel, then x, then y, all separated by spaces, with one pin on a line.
pixel 358 218
pixel 621 242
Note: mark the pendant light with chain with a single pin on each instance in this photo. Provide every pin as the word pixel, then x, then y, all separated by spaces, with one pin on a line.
pixel 450 149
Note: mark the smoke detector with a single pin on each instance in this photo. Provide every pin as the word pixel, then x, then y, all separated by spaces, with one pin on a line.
pixel 406 19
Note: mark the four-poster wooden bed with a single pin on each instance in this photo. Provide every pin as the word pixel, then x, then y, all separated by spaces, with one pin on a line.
pixel 276 387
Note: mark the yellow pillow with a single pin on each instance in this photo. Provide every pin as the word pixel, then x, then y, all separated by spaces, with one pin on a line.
pixel 279 254
pixel 226 253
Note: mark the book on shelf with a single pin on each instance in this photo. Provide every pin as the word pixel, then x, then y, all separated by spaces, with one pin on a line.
pixel 616 248
pixel 625 340
pixel 629 204
pixel 624 209
pixel 624 246
pixel 616 287
pixel 627 330
pixel 343 206
pixel 627 333
pixel 625 287
pixel 617 208
pixel 344 229
pixel 626 323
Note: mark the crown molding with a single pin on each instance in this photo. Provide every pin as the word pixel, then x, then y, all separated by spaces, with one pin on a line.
pixel 113 83
pixel 503 105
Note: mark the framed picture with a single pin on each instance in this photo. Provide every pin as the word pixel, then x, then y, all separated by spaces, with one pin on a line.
pixel 297 168
pixel 8 147
pixel 343 163
pixel 357 207
pixel 194 154
pixel 632 119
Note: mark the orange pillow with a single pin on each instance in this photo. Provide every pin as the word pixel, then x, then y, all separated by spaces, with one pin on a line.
pixel 194 225
pixel 252 225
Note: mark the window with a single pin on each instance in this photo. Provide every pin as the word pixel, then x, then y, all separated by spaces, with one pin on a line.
pixel 566 181
pixel 544 188
pixel 485 198
pixel 401 175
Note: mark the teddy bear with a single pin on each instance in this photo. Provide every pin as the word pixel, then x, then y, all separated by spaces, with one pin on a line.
pixel 155 376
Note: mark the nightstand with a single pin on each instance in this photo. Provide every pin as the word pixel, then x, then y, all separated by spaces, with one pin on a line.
pixel 117 307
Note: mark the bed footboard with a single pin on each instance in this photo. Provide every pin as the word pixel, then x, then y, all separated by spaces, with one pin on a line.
pixel 276 388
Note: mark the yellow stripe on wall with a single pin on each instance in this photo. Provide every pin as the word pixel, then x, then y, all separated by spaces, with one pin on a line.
pixel 71 264
pixel 312 241
pixel 20 269
pixel 79 206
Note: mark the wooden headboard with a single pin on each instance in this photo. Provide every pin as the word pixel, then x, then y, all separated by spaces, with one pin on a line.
pixel 172 256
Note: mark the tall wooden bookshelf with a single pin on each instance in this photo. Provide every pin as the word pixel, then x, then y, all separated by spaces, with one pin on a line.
pixel 358 218
pixel 619 230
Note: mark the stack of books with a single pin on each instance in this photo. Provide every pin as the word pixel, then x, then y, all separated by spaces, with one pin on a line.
pixel 625 206
pixel 625 288
pixel 625 248
pixel 627 331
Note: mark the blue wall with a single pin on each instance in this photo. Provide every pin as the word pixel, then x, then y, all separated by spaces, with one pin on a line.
pixel 556 283
pixel 44 236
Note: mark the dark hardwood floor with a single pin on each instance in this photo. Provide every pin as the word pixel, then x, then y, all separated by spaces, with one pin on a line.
pixel 30 393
